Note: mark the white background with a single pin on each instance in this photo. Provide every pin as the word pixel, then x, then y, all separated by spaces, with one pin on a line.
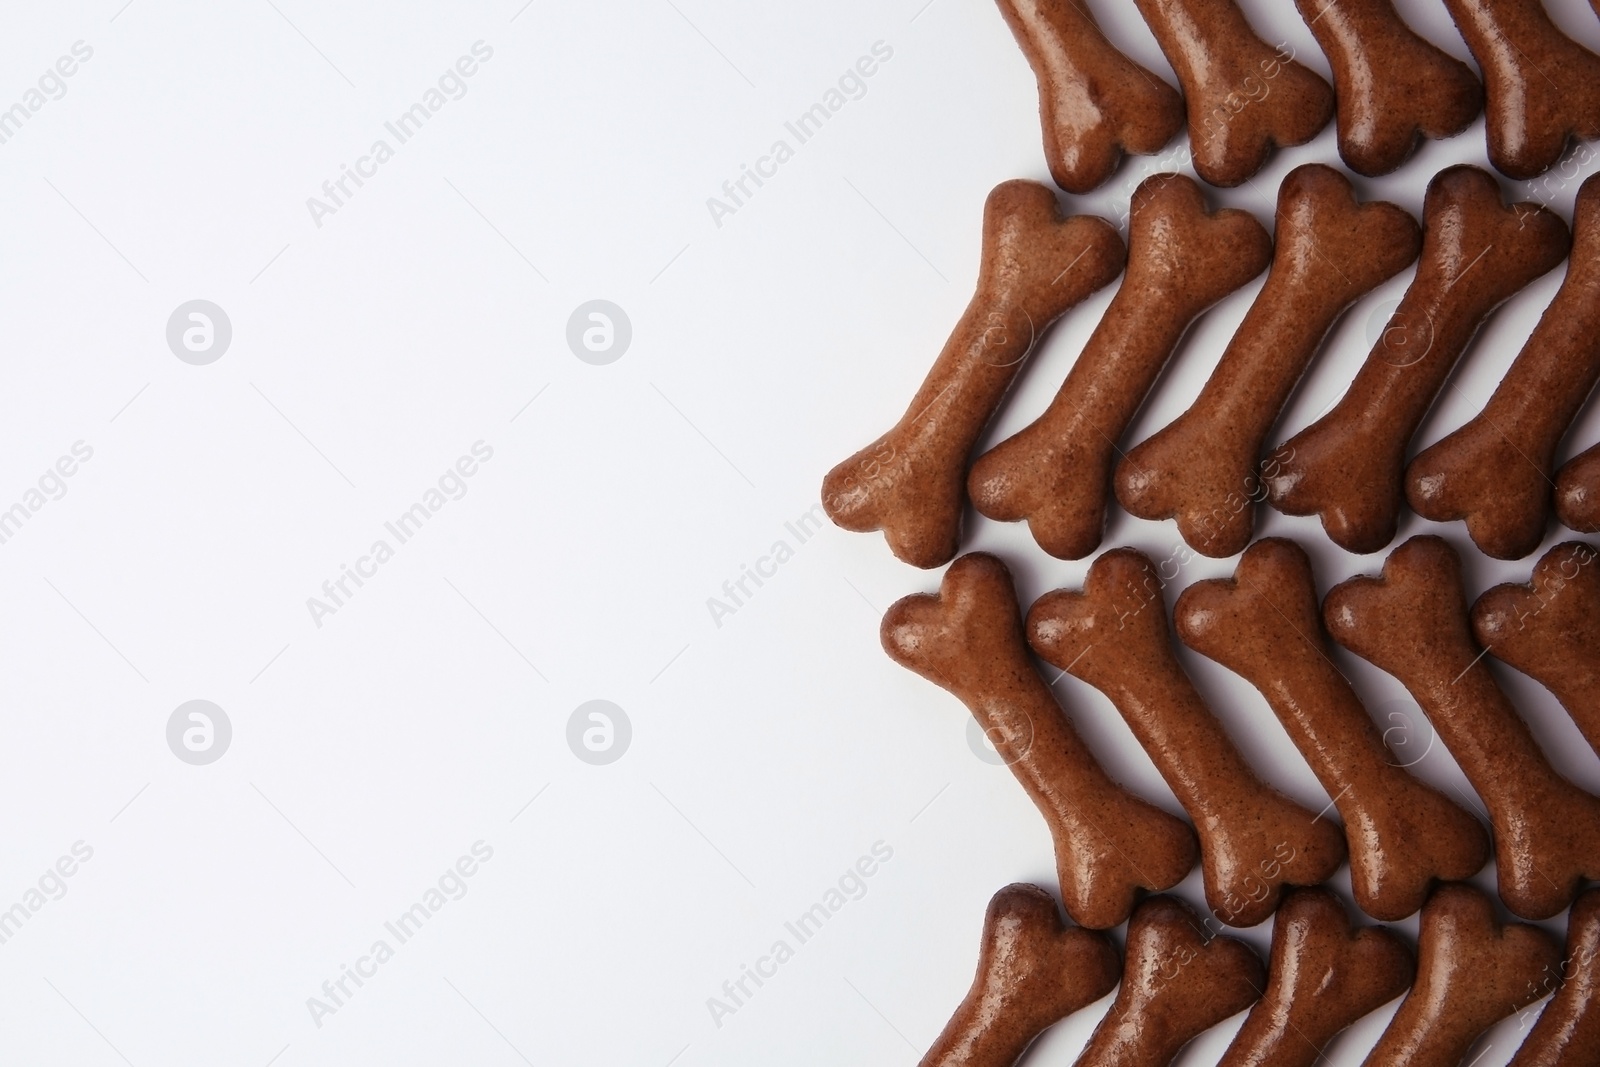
pixel 370 352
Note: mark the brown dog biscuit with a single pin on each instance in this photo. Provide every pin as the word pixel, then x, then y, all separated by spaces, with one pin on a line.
pixel 1176 985
pixel 1495 470
pixel 967 639
pixel 1254 841
pixel 1393 88
pixel 1578 492
pixel 1549 629
pixel 910 483
pixel 1471 973
pixel 1348 466
pixel 1543 87
pixel 1264 624
pixel 1244 97
pixel 1412 623
pixel 1094 102
pixel 1032 971
pixel 1056 473
pixel 1202 468
pixel 1568 1031
pixel 1323 975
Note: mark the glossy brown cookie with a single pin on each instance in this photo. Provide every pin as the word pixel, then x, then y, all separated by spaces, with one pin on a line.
pixel 1348 467
pixel 1324 975
pixel 1495 472
pixel 1244 96
pixel 1412 623
pixel 1568 1031
pixel 1264 624
pixel 1543 87
pixel 911 482
pixel 1471 973
pixel 1393 88
pixel 1094 102
pixel 1549 629
pixel 1202 468
pixel 1176 985
pixel 1056 473
pixel 968 640
pixel 1578 492
pixel 1254 841
pixel 1032 971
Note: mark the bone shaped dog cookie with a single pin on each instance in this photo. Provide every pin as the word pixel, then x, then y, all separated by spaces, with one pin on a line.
pixel 1392 87
pixel 1495 470
pixel 1471 973
pixel 1543 87
pixel 1412 623
pixel 1056 473
pixel 1201 469
pixel 968 640
pixel 1348 466
pixel 1578 492
pixel 1244 97
pixel 1549 629
pixel 1253 839
pixel 1323 975
pixel 1568 1031
pixel 1032 972
pixel 1176 985
pixel 910 483
pixel 1094 102
pixel 1264 624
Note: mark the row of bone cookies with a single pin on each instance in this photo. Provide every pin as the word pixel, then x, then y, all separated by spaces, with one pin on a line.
pixel 911 482
pixel 1400 834
pixel 1242 97
pixel 1349 467
pixel 1323 974
pixel 971 639
pixel 1413 623
pixel 1495 472
pixel 1204 470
